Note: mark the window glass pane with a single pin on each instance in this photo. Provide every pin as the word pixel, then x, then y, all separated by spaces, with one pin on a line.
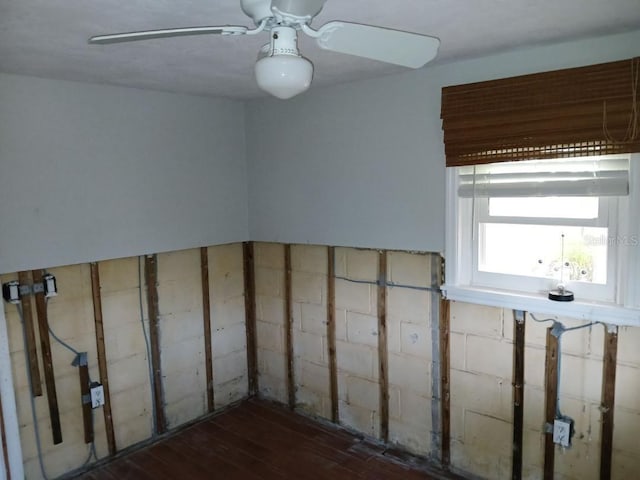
pixel 544 207
pixel 536 250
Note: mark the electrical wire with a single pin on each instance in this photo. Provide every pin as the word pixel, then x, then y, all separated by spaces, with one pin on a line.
pixel 33 403
pixel 557 330
pixel 92 449
pixel 386 284
pixel 366 282
pixel 541 320
pixel 148 347
pixel 61 342
pixel 58 339
pixel 412 287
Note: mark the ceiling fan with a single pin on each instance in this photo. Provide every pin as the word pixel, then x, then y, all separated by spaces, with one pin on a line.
pixel 280 69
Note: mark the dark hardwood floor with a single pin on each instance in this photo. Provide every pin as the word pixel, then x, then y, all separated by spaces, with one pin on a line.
pixel 259 440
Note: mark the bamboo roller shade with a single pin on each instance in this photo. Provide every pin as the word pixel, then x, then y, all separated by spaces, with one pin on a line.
pixel 574 112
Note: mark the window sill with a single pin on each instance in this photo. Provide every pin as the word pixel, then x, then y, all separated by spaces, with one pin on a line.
pixel 537 303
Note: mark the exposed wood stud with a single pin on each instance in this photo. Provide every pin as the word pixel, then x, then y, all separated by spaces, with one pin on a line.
pixel 102 357
pixel 383 362
pixel 47 361
pixel 85 391
pixel 518 392
pixel 608 400
pixel 206 319
pixel 445 387
pixel 288 327
pixel 3 439
pixel 24 278
pixel 151 276
pixel 437 279
pixel 250 312
pixel 551 399
pixel 331 334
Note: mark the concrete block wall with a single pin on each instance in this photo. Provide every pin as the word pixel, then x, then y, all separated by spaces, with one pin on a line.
pixel 181 336
pixel 626 447
pixel 71 318
pixel 181 343
pixel 580 393
pixel 357 339
pixel 356 317
pixel 481 408
pixel 270 320
pixel 409 327
pixel 124 305
pixel 481 352
pixel 309 300
pixel 481 396
pixel 228 324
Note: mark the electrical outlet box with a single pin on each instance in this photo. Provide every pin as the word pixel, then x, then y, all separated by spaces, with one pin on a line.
pixel 49 285
pixel 11 292
pixel 562 430
pixel 97 396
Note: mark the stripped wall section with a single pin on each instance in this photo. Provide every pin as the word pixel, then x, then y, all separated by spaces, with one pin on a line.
pixel 309 300
pixel 579 392
pixel 481 396
pixel 124 306
pixel 181 335
pixel 410 361
pixel 71 318
pixel 357 339
pixel 481 414
pixel 626 447
pixel 357 349
pixel 229 340
pixel 481 357
pixel 270 307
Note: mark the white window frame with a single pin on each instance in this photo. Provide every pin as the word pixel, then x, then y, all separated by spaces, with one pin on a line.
pixel 607 217
pixel 621 304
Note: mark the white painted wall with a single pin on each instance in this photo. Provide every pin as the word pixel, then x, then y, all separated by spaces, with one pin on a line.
pixel 91 172
pixel 352 165
pixel 362 164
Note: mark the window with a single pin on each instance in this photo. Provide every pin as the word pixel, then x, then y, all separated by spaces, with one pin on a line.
pixel 528 226
pixel 518 228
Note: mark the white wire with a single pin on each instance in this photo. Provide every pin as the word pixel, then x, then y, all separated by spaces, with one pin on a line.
pixel 33 403
pixel 561 331
pixel 92 448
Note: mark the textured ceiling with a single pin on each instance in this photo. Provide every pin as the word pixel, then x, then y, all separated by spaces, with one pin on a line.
pixel 48 38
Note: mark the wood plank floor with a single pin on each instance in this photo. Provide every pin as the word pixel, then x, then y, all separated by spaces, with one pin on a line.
pixel 258 440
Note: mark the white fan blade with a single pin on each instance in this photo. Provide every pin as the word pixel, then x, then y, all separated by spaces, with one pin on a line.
pixel 170 32
pixel 391 46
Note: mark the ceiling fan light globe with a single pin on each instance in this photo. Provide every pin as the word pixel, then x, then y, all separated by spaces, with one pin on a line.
pixel 284 76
